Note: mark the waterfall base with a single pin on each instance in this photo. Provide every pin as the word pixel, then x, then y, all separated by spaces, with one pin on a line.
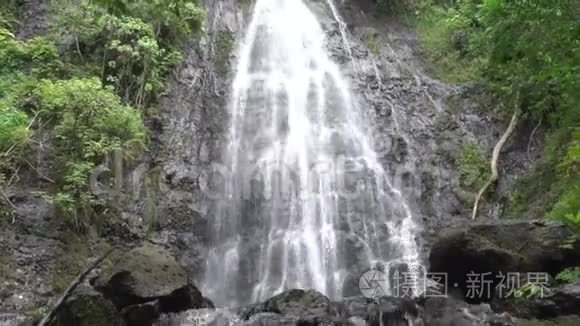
pixel 300 307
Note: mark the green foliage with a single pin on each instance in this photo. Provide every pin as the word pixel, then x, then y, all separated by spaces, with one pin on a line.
pixel 13 127
pixel 173 18
pixel 38 56
pixel 473 167
pixel 92 120
pixel 567 207
pixel 529 291
pixel 101 60
pixel 527 53
pixel 370 40
pixel 449 36
pixel 568 275
pixel 136 64
pixel 91 123
pixel 8 13
pixel 132 45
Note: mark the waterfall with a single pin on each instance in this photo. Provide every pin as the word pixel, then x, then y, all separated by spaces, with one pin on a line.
pixel 304 201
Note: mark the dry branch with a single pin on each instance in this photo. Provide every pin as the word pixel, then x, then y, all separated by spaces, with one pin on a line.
pixel 494 159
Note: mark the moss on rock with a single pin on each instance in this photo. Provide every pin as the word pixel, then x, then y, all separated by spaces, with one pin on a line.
pixel 72 260
pixel 88 308
pixel 224 45
pixel 145 274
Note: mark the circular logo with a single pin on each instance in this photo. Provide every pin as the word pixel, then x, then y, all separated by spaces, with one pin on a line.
pixel 373 284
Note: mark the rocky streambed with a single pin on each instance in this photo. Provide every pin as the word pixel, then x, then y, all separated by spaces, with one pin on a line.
pixel 147 286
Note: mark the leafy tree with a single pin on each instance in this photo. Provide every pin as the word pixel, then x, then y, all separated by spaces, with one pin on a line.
pixel 171 19
pixel 131 44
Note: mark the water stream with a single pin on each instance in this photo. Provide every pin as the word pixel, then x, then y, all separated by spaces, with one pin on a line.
pixel 305 200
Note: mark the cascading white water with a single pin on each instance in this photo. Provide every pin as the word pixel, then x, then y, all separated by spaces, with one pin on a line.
pixel 306 200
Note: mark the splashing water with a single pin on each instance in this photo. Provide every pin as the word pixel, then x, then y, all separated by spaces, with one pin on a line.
pixel 306 201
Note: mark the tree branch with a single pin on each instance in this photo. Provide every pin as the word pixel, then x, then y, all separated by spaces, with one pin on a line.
pixel 494 158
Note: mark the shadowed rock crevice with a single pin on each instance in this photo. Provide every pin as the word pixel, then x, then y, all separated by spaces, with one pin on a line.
pixel 502 247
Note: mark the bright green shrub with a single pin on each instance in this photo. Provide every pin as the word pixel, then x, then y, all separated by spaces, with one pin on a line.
pixel 13 127
pixel 92 120
pixel 91 124
pixel 473 166
pixel 8 13
pixel 136 64
pixel 450 36
pixel 132 45
pixel 171 19
pixel 37 56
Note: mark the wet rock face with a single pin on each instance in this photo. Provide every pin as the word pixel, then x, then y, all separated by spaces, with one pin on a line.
pixel 34 18
pixel 147 274
pixel 190 134
pixel 521 246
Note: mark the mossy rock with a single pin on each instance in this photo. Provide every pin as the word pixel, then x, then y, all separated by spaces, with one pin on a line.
pixel 87 307
pixel 71 261
pixel 146 274
pixel 224 44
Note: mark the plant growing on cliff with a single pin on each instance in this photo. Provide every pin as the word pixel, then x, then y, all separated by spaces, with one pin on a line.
pixel 91 123
pixel 87 121
pixel 172 20
pixel 570 274
pixel 131 45
pixel 473 169
pixel 113 56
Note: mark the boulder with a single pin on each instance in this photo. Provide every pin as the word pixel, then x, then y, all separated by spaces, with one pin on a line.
pixel 86 307
pixel 144 314
pixel 294 302
pixel 507 246
pixel 147 274
pixel 563 300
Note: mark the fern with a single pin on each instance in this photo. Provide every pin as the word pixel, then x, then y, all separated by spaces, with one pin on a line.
pixel 568 275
